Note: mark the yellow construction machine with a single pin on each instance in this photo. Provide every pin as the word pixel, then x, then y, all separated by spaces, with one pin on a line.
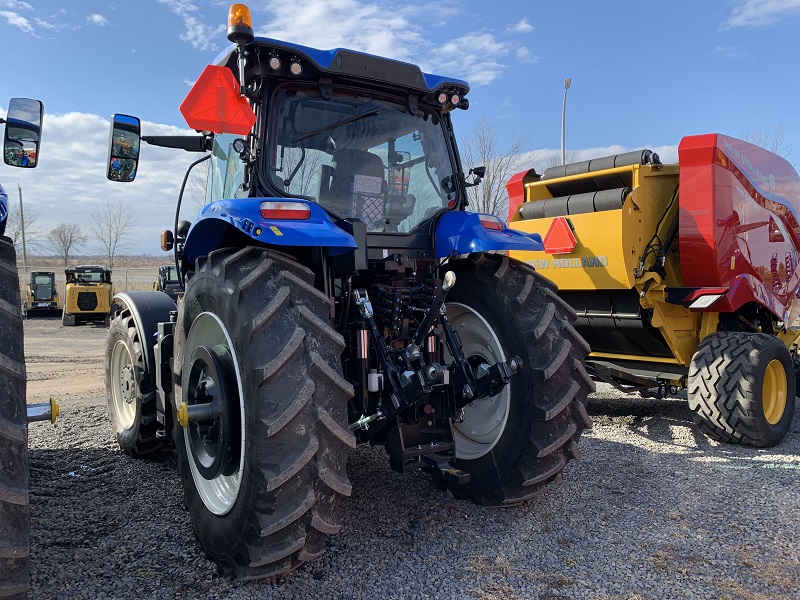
pixel 87 296
pixel 41 296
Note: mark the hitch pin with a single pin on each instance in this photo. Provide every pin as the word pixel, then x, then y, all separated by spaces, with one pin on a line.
pixel 364 421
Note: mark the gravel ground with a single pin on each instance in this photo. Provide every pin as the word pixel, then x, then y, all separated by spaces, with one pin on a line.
pixel 653 510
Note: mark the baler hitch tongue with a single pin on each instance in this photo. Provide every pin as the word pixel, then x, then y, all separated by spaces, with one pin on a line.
pixel 44 411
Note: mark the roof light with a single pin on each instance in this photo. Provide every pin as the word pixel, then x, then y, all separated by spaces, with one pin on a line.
pixel 240 24
pixel 455 99
pixel 442 97
pixel 491 222
pixel 274 62
pixel 285 211
pixel 295 68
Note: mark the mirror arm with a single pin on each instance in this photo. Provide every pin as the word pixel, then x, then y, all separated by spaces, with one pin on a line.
pixel 194 143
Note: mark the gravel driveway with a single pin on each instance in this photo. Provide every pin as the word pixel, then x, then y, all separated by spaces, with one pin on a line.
pixel 653 510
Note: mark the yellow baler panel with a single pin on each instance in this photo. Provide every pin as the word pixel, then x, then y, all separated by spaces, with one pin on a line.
pixel 604 257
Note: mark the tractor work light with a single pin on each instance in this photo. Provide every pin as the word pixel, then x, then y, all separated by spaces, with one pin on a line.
pixel 274 62
pixel 240 24
pixel 455 99
pixel 442 97
pixel 295 68
pixel 285 211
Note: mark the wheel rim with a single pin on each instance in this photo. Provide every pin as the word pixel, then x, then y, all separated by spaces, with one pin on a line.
pixel 123 385
pixel 485 419
pixel 218 493
pixel 773 393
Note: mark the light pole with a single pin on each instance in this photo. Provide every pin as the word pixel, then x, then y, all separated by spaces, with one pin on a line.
pixel 567 83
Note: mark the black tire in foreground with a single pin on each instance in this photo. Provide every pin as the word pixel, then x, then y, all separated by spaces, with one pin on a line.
pixel 264 472
pixel 130 393
pixel 742 388
pixel 517 442
pixel 14 500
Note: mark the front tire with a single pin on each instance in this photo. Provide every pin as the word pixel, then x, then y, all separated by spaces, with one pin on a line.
pixel 131 401
pixel 518 441
pixel 14 473
pixel 742 388
pixel 263 478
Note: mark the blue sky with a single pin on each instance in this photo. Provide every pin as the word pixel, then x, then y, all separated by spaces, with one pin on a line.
pixel 644 74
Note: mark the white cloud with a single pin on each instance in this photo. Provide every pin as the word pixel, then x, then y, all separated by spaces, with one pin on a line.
pixel 197 33
pixel 17 20
pixel 475 57
pixel 731 52
pixel 760 13
pixel 96 19
pixel 15 5
pixel 371 28
pixel 71 178
pixel 525 55
pixel 521 27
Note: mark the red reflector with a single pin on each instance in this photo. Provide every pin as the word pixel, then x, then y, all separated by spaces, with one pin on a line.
pixel 559 238
pixel 490 222
pixel 705 292
pixel 213 104
pixel 285 211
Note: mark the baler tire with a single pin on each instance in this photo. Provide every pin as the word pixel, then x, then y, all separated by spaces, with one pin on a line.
pixel 276 506
pixel 131 402
pixel 727 379
pixel 14 470
pixel 546 400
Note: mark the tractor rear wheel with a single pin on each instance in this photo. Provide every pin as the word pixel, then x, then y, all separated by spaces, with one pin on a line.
pixel 14 474
pixel 742 388
pixel 261 433
pixel 131 401
pixel 515 443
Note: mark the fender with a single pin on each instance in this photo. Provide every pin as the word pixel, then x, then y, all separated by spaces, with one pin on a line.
pixel 148 309
pixel 225 218
pixel 463 233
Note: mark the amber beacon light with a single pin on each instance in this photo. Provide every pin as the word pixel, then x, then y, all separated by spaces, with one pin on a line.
pixel 240 24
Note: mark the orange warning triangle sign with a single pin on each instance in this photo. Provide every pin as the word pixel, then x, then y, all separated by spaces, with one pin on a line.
pixel 214 104
pixel 559 239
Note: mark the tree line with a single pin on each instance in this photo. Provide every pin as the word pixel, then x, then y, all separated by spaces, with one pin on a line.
pixel 108 231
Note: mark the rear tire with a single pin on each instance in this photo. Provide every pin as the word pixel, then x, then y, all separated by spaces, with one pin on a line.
pixel 742 388
pixel 263 481
pixel 131 401
pixel 514 444
pixel 14 474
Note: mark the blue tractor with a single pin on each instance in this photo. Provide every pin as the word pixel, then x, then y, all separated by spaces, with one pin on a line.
pixel 336 292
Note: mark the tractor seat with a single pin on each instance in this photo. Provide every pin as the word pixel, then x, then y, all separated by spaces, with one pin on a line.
pixel 347 195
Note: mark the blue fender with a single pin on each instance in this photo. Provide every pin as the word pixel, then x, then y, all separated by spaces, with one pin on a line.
pixel 461 232
pixel 219 220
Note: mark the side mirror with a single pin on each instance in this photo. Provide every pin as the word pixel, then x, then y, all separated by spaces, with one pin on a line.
pixel 23 133
pixel 123 148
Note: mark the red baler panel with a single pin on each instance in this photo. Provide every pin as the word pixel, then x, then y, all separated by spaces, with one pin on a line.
pixel 739 222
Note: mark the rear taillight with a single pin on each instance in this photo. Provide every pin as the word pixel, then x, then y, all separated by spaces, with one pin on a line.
pixel 285 211
pixel 490 222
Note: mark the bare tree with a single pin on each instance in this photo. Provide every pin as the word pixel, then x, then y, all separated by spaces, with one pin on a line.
pixel 110 227
pixel 34 234
pixel 482 148
pixel 64 238
pixel 773 139
pixel 555 159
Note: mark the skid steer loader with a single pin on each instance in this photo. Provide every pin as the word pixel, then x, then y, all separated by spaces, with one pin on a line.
pixel 683 276
pixel 41 297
